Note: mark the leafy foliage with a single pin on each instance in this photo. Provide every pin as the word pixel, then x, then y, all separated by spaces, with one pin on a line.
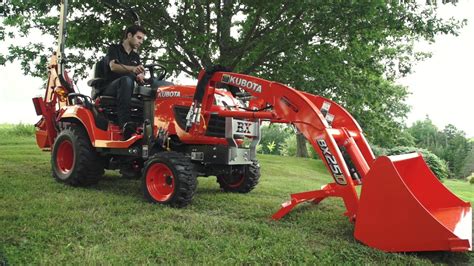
pixel 280 139
pixel 437 165
pixel 21 130
pixel 288 148
pixel 468 168
pixel 449 144
pixel 456 149
pixel 271 147
pixel 427 135
pixel 378 151
pixel 273 138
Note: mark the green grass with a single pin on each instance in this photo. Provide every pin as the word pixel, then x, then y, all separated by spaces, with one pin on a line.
pixel 16 130
pixel 44 222
pixel 462 188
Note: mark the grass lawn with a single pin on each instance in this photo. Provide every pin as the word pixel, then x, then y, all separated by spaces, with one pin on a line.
pixel 461 188
pixel 44 222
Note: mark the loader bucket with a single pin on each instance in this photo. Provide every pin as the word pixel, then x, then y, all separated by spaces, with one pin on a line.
pixel 403 207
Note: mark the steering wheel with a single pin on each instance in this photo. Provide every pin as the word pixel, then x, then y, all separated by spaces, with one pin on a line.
pixel 152 67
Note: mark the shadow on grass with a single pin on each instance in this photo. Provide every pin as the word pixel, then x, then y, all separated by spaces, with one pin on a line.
pixel 113 183
pixel 117 185
pixel 317 218
pixel 451 258
pixel 211 190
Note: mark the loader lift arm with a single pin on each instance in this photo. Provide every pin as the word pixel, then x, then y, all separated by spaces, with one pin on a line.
pixel 402 205
pixel 325 124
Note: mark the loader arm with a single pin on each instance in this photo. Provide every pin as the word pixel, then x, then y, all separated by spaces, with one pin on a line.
pixel 402 205
pixel 326 125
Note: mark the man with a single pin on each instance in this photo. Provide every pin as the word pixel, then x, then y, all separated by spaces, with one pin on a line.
pixel 125 69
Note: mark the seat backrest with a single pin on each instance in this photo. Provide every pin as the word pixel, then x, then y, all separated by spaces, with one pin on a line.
pixel 101 69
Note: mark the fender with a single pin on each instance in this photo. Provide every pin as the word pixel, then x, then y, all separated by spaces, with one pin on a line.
pixel 99 138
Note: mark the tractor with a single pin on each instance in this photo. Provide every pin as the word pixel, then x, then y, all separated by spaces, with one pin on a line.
pixel 213 129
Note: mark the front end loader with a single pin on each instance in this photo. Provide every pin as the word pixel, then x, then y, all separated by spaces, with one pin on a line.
pixel 212 129
pixel 402 205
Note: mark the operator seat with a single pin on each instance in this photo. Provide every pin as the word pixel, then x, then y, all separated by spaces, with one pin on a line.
pixel 108 104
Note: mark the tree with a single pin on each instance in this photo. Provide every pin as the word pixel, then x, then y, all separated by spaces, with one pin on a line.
pixel 449 144
pixel 457 149
pixel 349 51
pixel 427 136
pixel 468 168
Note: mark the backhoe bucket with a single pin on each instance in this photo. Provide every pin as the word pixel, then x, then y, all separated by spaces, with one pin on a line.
pixel 404 207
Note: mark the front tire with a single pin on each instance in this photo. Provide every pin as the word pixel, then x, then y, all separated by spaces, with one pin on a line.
pixel 169 178
pixel 242 181
pixel 73 160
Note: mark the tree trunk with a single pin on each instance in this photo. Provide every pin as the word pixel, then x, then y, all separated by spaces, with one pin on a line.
pixel 224 24
pixel 301 150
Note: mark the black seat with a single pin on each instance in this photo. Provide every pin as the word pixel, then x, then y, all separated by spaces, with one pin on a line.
pixel 99 81
pixel 107 105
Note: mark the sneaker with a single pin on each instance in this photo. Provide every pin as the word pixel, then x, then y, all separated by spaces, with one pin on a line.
pixel 128 130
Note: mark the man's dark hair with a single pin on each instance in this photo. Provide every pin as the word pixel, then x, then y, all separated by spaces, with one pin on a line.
pixel 133 30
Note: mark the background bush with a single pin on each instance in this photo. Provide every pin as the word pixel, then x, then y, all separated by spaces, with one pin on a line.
pixel 437 165
pixel 288 148
pixel 378 151
pixel 273 138
pixel 19 130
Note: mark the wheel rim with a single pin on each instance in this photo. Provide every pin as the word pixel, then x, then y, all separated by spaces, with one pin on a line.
pixel 65 157
pixel 234 181
pixel 160 182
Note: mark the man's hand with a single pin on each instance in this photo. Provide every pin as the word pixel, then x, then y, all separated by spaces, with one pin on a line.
pixel 138 69
pixel 125 69
pixel 141 78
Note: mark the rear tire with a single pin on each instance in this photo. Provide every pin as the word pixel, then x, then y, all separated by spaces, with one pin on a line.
pixel 242 182
pixel 73 160
pixel 169 178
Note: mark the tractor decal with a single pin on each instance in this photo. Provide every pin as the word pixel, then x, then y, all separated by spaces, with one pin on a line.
pixel 243 127
pixel 242 82
pixel 168 94
pixel 332 163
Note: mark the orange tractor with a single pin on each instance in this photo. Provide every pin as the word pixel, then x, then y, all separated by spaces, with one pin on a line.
pixel 212 129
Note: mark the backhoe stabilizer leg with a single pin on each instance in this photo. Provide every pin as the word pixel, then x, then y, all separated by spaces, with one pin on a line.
pixel 315 196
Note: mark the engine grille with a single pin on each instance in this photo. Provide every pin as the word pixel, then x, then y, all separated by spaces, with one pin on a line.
pixel 215 127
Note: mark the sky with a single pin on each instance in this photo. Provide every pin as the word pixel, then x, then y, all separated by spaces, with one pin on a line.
pixel 441 87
